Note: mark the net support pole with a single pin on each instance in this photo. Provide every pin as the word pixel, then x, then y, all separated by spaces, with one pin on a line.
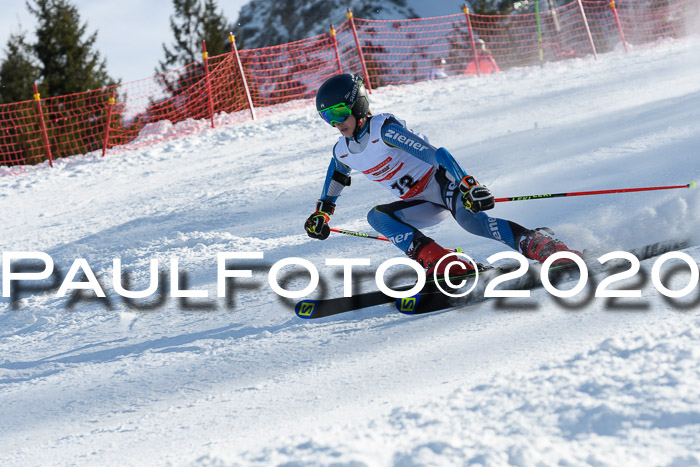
pixel 42 126
pixel 619 25
pixel 234 51
pixel 335 46
pixel 108 125
pixel 588 29
pixel 465 9
pixel 539 31
pixel 367 83
pixel 210 100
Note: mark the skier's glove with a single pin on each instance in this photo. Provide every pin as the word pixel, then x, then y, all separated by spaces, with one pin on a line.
pixel 316 225
pixel 475 197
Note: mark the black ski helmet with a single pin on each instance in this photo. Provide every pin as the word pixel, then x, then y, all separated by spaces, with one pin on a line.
pixel 344 88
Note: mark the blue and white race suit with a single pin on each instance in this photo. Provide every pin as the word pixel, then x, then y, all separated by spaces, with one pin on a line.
pixel 404 162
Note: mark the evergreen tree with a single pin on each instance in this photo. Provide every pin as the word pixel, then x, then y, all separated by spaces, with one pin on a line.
pixel 192 22
pixel 68 61
pixel 215 29
pixel 488 7
pixel 18 71
pixel 62 61
pixel 184 25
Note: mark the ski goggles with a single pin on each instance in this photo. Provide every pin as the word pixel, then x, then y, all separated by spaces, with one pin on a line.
pixel 337 113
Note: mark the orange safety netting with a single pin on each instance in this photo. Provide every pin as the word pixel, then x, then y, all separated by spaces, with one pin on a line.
pixel 213 90
pixel 289 71
pixel 646 21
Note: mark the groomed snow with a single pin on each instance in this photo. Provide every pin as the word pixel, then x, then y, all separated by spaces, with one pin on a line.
pixel 244 381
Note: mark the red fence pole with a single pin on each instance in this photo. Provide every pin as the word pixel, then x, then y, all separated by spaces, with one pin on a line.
pixel 619 26
pixel 335 45
pixel 110 108
pixel 465 9
pixel 588 30
pixel 368 85
pixel 205 57
pixel 234 50
pixel 44 133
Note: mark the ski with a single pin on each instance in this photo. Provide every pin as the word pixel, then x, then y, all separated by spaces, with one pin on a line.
pixel 313 309
pixel 436 300
pixel 430 301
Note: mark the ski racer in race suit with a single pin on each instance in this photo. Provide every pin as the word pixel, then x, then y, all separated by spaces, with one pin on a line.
pixel 387 152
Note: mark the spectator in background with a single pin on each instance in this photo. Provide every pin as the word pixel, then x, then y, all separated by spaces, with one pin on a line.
pixel 438 71
pixel 487 64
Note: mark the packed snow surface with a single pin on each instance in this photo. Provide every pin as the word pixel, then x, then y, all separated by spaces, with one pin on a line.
pixel 241 380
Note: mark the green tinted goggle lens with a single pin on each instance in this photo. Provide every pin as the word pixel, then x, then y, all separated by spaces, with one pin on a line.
pixel 335 114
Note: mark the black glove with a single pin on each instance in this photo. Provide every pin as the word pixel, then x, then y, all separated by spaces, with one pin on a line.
pixel 317 225
pixel 475 197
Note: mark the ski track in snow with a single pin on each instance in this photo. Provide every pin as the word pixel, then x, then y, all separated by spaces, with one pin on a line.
pixel 220 382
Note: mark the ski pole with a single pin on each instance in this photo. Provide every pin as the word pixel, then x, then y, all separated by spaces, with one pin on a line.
pixel 523 198
pixel 359 234
pixel 374 237
pixel 595 192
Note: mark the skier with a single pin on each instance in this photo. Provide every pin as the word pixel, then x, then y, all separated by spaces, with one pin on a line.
pixel 485 62
pixel 386 151
pixel 438 71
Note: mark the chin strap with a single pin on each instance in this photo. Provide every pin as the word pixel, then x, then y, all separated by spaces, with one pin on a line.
pixel 361 128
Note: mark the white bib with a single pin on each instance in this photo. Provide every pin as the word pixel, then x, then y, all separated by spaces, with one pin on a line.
pixel 400 172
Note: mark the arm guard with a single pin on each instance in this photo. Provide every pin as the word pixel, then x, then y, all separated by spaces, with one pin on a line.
pixel 337 178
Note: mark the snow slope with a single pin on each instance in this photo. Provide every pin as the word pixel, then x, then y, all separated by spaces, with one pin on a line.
pixel 241 381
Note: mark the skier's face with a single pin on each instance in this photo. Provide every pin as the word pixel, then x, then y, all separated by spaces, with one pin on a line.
pixel 347 128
